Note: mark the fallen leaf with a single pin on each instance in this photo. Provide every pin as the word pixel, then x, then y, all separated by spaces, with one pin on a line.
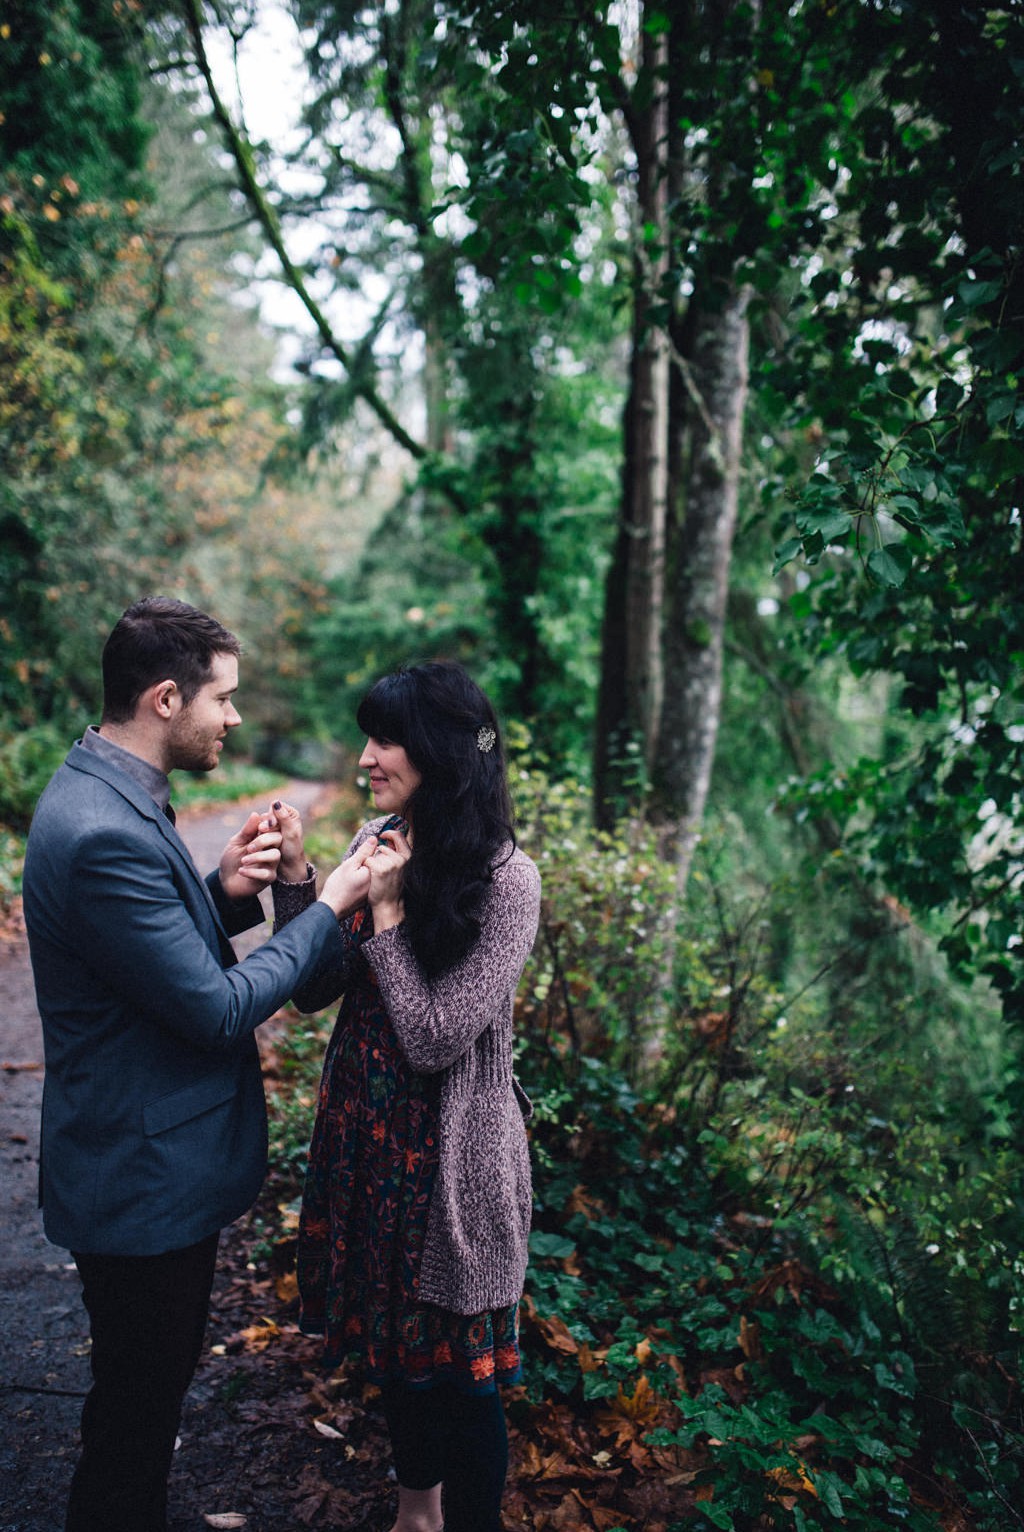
pixel 591 1360
pixel 259 1336
pixel 554 1331
pixel 326 1430
pixel 796 1477
pixel 750 1339
pixel 287 1287
pixel 583 1201
pixel 226 1519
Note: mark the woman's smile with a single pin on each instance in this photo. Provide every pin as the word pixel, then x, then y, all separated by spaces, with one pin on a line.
pixel 393 777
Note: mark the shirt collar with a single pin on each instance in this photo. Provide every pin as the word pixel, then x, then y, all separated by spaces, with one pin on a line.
pixel 150 778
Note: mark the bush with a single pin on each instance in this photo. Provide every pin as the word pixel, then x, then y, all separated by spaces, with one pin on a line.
pixel 28 759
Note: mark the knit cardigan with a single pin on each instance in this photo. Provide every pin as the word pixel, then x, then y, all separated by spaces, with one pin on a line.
pixel 459 1026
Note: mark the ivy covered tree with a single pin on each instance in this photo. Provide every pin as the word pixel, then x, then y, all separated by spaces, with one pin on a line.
pixel 903 361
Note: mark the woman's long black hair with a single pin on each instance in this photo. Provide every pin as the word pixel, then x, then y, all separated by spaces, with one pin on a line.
pixel 460 813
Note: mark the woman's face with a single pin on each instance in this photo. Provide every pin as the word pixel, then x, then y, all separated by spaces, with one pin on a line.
pixel 393 777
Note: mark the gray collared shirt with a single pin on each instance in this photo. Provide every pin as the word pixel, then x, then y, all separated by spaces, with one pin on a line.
pixel 149 777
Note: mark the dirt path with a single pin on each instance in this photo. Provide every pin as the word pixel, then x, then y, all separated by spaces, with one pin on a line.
pixel 43 1334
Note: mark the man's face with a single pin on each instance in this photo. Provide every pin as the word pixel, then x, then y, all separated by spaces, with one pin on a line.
pixel 195 736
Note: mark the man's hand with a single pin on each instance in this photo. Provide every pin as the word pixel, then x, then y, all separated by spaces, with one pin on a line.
pixel 249 860
pixel 347 886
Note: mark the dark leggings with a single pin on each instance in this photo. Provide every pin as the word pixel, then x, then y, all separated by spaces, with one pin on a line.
pixel 441 1435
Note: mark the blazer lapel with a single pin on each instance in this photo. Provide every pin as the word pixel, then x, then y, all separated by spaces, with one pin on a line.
pixel 131 791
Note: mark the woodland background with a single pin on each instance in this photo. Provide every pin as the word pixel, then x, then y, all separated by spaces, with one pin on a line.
pixel 663 363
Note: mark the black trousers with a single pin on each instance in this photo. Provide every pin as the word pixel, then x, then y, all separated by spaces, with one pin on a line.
pixel 441 1435
pixel 147 1318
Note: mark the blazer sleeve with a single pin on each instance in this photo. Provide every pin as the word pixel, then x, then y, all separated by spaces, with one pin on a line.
pixel 135 928
pixel 235 917
pixel 436 1020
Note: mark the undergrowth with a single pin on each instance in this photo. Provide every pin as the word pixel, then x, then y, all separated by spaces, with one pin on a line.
pixel 775 1268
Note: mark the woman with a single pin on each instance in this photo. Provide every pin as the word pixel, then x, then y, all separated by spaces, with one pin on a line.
pixel 416 1211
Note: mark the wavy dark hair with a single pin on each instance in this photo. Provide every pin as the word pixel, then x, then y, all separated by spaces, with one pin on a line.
pixel 460 813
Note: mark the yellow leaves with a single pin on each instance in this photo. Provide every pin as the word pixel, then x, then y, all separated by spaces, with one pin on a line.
pixel 254 1338
pixel 51 213
pixel 795 1478
pixel 286 1286
pixel 628 1415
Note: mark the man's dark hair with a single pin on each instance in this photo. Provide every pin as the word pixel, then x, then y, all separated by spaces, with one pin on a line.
pixel 159 639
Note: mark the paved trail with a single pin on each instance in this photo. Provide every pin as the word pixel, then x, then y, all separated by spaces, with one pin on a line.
pixel 44 1369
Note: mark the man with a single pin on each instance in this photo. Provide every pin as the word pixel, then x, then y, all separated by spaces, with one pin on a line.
pixel 154 1121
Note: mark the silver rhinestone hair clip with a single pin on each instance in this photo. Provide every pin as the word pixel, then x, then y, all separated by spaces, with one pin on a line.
pixel 485 737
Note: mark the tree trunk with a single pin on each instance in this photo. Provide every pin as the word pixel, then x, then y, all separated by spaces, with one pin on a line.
pixel 630 695
pixel 717 389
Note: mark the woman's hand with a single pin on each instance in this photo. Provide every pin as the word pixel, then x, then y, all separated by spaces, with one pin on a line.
pixel 387 876
pixel 346 887
pixel 281 817
pixel 249 861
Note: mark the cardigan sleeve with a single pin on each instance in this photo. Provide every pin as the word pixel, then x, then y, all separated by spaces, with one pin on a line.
pixel 437 1020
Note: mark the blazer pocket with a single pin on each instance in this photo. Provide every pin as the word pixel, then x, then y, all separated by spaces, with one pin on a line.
pixel 182 1105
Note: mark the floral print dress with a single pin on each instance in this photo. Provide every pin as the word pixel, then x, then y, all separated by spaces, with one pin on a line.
pixel 372 1163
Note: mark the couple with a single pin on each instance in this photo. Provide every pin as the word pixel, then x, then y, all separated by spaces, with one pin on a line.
pixel 416 1212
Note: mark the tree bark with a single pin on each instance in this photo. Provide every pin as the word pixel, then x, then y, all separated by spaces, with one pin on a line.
pixel 717 387
pixel 630 694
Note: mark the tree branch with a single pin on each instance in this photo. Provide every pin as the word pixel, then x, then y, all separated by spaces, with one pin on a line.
pixel 241 153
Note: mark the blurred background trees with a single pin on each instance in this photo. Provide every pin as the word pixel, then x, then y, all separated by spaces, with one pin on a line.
pixel 660 361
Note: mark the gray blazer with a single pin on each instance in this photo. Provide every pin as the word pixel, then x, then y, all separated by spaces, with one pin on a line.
pixel 154 1122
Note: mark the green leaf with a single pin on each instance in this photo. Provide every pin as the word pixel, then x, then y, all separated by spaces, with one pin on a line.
pixel 556 1246
pixel 786 552
pixel 889 565
pixel 975 294
pixel 828 524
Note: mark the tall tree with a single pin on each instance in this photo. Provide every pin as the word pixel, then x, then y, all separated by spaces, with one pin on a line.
pixel 910 526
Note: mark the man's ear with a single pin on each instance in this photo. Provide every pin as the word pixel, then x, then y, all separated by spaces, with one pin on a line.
pixel 163 699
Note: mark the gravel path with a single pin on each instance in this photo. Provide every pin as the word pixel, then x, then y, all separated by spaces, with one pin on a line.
pixel 44 1369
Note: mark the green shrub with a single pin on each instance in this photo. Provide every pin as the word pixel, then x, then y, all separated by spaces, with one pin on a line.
pixel 28 759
